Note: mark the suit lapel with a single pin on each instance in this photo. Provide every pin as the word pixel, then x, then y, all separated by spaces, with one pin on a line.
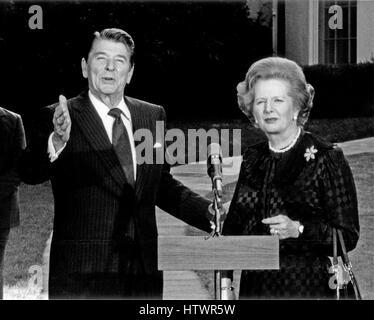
pixel 5 129
pixel 139 121
pixel 86 117
pixel 2 122
pixel 4 139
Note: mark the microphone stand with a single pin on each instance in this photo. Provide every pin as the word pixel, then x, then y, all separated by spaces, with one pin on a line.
pixel 215 172
pixel 217 206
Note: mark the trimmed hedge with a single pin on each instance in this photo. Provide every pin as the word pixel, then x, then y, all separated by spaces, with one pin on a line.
pixel 342 91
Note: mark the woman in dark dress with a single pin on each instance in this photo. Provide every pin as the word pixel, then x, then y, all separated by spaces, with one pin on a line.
pixel 295 186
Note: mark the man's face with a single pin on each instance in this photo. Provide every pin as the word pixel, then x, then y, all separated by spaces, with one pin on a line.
pixel 108 68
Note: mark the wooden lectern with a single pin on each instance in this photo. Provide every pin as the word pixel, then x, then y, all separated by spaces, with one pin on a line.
pixel 177 253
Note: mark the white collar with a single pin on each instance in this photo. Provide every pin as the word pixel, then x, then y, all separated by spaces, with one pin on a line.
pixel 103 109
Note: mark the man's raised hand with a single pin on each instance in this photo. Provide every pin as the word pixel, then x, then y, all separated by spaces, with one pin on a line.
pixel 61 123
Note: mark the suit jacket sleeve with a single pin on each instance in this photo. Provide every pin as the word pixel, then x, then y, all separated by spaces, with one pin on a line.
pixel 181 202
pixel 9 178
pixel 35 166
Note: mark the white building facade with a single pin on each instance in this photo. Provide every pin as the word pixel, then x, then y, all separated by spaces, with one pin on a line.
pixel 324 32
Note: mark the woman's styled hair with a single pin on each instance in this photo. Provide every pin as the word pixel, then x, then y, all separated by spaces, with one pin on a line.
pixel 301 92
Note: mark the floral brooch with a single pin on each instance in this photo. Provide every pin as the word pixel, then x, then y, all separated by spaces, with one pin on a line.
pixel 309 153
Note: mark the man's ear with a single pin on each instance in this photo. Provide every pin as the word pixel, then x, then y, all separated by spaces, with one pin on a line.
pixel 130 74
pixel 84 68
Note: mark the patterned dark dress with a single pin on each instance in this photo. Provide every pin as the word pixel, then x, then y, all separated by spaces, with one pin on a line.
pixel 315 188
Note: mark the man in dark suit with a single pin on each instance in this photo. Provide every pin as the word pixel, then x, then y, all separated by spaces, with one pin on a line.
pixel 105 235
pixel 12 142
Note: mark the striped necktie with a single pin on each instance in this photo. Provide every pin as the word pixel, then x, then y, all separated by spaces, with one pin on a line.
pixel 121 144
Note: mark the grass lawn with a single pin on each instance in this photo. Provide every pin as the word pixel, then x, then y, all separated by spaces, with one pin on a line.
pixel 363 256
pixel 27 242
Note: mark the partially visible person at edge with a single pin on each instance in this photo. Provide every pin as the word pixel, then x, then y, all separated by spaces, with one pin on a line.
pixel 295 186
pixel 104 242
pixel 12 142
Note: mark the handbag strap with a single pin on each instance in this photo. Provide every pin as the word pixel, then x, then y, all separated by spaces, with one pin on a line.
pixel 342 244
pixel 335 263
pixel 346 261
pixel 335 247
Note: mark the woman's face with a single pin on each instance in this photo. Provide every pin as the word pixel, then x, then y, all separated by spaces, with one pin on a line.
pixel 273 107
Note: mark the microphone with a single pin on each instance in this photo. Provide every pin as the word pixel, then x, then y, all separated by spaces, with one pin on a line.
pixel 214 165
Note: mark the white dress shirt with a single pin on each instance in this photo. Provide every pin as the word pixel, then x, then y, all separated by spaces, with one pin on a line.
pixel 102 110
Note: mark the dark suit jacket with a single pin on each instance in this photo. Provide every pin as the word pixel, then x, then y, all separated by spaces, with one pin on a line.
pixel 12 141
pixel 92 198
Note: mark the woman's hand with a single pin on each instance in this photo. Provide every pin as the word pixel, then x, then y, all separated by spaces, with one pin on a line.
pixel 283 226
